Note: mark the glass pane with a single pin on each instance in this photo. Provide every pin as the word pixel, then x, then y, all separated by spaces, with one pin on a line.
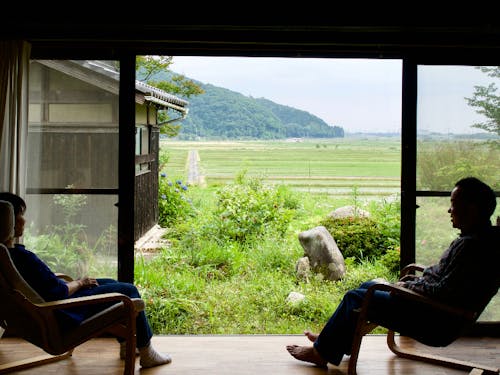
pixel 138 143
pixel 434 234
pixel 457 136
pixel 73 144
pixel 145 140
pixel 457 126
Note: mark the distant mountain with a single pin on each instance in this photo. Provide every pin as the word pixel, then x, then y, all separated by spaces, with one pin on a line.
pixel 220 113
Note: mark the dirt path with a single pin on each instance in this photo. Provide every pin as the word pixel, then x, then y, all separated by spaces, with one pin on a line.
pixel 194 176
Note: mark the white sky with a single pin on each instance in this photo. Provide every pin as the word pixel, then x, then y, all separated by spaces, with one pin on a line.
pixel 356 94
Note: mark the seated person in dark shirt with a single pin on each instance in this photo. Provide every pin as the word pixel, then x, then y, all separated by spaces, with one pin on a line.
pixel 38 275
pixel 466 276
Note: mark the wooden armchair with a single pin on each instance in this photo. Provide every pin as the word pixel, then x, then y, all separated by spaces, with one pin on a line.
pixel 24 313
pixel 364 326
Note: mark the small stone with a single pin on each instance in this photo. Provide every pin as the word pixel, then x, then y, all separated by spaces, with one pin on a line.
pixel 295 297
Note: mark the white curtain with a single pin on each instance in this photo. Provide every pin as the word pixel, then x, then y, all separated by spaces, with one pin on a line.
pixel 14 69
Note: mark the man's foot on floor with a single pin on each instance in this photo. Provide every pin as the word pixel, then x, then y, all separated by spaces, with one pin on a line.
pixel 306 354
pixel 311 336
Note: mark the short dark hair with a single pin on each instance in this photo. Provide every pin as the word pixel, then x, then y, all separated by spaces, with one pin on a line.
pixel 17 202
pixel 477 192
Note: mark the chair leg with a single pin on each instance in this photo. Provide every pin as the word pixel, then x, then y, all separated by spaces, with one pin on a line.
pixel 130 351
pixel 130 358
pixel 32 362
pixel 353 359
pixel 443 361
pixel 362 329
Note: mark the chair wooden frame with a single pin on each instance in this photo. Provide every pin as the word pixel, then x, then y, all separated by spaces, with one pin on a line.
pixel 364 326
pixel 36 322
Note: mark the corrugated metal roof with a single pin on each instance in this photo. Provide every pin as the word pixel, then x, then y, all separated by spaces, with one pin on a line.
pixel 160 94
pixel 107 69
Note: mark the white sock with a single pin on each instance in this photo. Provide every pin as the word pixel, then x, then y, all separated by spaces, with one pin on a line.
pixel 151 358
pixel 123 349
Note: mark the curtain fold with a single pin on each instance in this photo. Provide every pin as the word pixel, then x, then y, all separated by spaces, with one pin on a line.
pixel 14 75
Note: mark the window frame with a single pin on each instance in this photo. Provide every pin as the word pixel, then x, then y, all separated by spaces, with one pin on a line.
pixel 419 45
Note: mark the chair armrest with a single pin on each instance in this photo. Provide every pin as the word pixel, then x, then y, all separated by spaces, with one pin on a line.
pixel 139 304
pixel 409 294
pixel 81 301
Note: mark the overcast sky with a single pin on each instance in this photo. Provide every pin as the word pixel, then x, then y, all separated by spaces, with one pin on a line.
pixel 356 94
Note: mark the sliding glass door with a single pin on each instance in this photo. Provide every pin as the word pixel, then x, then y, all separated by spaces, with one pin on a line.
pixel 72 169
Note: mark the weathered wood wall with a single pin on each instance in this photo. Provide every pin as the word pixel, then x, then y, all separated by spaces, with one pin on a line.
pixel 146 190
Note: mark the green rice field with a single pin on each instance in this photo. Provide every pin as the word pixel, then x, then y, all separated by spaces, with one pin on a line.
pixel 333 167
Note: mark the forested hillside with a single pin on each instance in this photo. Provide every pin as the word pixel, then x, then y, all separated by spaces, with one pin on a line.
pixel 220 113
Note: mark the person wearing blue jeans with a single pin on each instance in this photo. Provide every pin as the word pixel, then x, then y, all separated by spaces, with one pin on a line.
pixel 105 285
pixel 466 277
pixel 50 287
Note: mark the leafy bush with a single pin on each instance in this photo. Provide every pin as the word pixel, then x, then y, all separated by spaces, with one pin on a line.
pixel 358 237
pixel 386 212
pixel 391 260
pixel 173 204
pixel 71 258
pixel 248 209
pixel 67 249
pixel 163 157
pixel 441 164
pixel 70 204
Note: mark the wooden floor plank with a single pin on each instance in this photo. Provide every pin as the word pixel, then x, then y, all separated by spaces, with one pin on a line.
pixel 247 354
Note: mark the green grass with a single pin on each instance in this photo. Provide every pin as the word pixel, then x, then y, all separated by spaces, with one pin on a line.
pixel 246 293
pixel 198 287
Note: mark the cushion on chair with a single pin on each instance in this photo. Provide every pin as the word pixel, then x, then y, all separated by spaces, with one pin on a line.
pixel 13 276
pixel 7 221
pixel 8 269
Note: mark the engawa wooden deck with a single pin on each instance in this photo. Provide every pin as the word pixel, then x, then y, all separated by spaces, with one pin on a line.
pixel 247 354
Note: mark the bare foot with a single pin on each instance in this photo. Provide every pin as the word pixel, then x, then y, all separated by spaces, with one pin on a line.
pixel 311 336
pixel 306 354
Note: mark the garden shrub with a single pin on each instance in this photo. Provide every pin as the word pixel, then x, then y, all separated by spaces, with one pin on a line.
pixel 391 260
pixel 248 209
pixel 67 248
pixel 386 212
pixel 73 258
pixel 173 204
pixel 441 164
pixel 358 237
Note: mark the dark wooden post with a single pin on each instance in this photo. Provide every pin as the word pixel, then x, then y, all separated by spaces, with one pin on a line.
pixel 408 162
pixel 126 169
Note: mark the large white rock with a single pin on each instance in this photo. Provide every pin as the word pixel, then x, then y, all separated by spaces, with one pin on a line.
pixel 323 253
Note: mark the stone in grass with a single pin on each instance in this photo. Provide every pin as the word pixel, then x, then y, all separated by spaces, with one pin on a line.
pixel 295 298
pixel 323 253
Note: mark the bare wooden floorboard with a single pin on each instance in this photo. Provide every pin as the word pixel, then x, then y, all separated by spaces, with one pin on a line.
pixel 247 354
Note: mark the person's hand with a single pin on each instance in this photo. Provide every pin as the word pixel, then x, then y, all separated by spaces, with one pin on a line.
pixel 87 282
pixel 397 283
